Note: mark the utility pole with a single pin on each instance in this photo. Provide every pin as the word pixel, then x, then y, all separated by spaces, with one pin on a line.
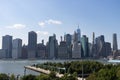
pixel 82 71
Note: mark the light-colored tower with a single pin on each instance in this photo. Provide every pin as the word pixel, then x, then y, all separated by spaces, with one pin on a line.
pixel 17 48
pixel 76 49
pixel 79 34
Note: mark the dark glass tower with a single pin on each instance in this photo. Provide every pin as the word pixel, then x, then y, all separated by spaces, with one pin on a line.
pixel 85 50
pixel 7 45
pixel 32 44
pixel 115 46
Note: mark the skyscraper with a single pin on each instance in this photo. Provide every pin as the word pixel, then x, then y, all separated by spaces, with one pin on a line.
pixel 100 46
pixel 76 48
pixel 115 46
pixel 52 47
pixel 62 50
pixel 93 51
pixel 17 48
pixel 108 49
pixel 85 47
pixel 41 50
pixel 7 45
pixel 68 40
pixel 32 44
pixel 79 34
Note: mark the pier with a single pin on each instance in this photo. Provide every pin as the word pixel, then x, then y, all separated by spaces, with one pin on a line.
pixel 40 70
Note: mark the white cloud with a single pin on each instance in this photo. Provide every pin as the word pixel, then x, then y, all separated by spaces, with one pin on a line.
pixel 42 32
pixel 51 21
pixel 16 26
pixel 41 24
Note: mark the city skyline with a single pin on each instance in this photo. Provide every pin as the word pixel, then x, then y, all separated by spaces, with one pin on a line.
pixel 47 17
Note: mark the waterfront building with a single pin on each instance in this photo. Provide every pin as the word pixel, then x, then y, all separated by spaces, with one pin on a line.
pixel 76 47
pixel 41 50
pixel 2 53
pixel 7 45
pixel 24 52
pixel 100 46
pixel 85 47
pixel 62 50
pixel 90 46
pixel 115 46
pixel 17 48
pixel 52 47
pixel 32 44
pixel 68 40
pixel 93 51
pixel 108 49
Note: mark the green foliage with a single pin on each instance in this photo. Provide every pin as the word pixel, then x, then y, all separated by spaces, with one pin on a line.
pixel 42 77
pixel 4 76
pixel 12 77
pixel 29 77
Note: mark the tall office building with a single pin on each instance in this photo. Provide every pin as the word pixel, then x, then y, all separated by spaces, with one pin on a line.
pixel 24 52
pixel 68 40
pixel 85 47
pixel 108 49
pixel 17 49
pixel 62 50
pixel 76 48
pixel 7 45
pixel 115 46
pixel 41 50
pixel 79 34
pixel 100 46
pixel 93 50
pixel 52 47
pixel 32 44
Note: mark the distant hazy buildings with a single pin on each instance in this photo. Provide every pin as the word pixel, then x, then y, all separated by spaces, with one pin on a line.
pixel 7 45
pixel 32 44
pixel 70 47
pixel 17 49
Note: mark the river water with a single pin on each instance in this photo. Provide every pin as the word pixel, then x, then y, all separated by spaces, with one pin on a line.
pixel 17 66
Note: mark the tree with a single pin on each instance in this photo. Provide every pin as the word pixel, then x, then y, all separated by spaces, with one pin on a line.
pixel 12 77
pixel 4 76
pixel 29 77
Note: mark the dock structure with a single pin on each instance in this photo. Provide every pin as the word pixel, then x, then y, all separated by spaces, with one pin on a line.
pixel 40 70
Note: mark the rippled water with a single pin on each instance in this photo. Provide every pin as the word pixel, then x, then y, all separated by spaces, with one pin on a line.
pixel 17 66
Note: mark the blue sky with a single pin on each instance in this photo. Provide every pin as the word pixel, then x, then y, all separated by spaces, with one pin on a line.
pixel 18 17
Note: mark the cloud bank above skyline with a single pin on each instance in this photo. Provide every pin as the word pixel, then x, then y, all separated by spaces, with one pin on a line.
pixel 48 22
pixel 16 26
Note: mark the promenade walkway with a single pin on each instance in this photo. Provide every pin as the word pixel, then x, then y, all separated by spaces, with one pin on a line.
pixel 40 70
